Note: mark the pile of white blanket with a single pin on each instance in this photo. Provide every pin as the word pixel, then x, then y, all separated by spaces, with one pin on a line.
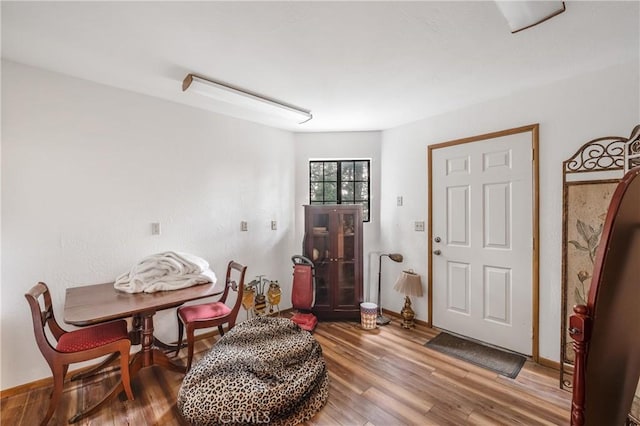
pixel 165 271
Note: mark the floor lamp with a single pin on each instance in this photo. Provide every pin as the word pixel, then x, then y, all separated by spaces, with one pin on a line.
pixel 396 257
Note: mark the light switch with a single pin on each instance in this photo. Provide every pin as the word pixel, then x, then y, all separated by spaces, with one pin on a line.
pixel 155 228
pixel 419 226
pixel 243 226
pixel 274 225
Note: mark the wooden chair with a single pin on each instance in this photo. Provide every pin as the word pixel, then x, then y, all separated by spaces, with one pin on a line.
pixel 215 314
pixel 606 332
pixel 75 346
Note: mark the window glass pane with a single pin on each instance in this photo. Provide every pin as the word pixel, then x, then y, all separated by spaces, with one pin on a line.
pixel 362 191
pixel 365 212
pixel 331 171
pixel 362 170
pixel 347 171
pixel 322 287
pixel 317 191
pixel 340 181
pixel 316 171
pixel 347 192
pixel 330 192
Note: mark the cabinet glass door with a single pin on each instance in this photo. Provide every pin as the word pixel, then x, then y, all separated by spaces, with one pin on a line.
pixel 321 257
pixel 345 258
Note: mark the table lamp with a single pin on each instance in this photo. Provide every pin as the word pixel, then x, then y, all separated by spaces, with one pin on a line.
pixel 409 284
pixel 396 257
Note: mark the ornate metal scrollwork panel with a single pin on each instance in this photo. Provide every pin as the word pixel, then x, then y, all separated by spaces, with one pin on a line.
pixel 585 196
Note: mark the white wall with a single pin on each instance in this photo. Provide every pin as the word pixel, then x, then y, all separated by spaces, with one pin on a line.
pixel 570 112
pixel 85 170
pixel 340 146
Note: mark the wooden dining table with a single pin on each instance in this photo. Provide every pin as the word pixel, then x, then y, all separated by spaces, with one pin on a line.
pixel 93 304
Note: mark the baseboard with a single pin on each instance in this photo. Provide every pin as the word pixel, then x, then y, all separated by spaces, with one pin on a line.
pixel 398 316
pixel 17 390
pixel 47 381
pixel 549 363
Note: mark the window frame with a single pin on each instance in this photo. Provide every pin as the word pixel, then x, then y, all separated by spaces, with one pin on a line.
pixel 339 181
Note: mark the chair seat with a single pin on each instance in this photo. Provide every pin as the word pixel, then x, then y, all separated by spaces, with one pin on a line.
pixel 206 311
pixel 92 337
pixel 213 314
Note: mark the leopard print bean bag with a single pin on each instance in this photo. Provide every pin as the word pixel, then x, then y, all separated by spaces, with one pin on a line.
pixel 265 370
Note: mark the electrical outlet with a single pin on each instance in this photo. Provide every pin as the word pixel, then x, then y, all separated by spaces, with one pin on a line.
pixel 155 228
pixel 419 226
pixel 243 226
pixel 399 201
pixel 274 225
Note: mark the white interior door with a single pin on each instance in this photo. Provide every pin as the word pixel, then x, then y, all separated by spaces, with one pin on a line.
pixel 482 224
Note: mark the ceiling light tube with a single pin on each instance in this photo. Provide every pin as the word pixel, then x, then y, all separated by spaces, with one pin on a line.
pixel 236 96
pixel 521 15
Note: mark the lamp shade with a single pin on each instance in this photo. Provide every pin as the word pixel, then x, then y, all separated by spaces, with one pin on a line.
pixel 409 284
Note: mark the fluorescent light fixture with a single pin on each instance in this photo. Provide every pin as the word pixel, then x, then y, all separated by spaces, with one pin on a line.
pixel 233 95
pixel 525 14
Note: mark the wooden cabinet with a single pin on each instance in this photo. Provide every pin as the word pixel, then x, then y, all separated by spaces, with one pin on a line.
pixel 333 240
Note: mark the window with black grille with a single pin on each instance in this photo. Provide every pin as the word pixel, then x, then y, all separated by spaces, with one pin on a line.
pixel 340 182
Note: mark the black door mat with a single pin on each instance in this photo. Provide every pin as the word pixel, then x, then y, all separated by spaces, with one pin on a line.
pixel 505 363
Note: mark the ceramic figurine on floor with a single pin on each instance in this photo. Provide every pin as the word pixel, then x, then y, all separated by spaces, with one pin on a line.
pixel 247 299
pixel 260 306
pixel 260 299
pixel 274 294
pixel 407 314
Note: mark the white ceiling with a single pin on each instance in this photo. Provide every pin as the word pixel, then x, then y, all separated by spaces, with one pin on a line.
pixel 355 65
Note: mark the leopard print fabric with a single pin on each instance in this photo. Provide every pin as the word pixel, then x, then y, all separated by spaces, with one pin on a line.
pixel 263 371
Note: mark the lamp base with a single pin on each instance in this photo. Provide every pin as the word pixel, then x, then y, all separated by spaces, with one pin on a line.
pixel 407 314
pixel 382 320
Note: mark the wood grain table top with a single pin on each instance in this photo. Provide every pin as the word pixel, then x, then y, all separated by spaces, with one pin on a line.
pixel 97 303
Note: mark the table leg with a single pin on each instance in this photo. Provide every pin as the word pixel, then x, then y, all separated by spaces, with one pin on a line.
pixel 161 359
pixel 147 339
pixel 150 354
pixel 136 329
pixel 166 346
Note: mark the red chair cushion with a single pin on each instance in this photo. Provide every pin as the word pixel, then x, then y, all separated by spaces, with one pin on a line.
pixel 204 311
pixel 92 337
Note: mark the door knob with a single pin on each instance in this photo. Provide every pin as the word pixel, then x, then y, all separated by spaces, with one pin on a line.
pixel 437 252
pixel 437 239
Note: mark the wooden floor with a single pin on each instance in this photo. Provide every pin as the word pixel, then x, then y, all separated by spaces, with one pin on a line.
pixel 379 377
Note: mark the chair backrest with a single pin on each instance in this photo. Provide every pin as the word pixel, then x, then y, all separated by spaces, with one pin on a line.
pixel 42 315
pixel 234 281
pixel 606 332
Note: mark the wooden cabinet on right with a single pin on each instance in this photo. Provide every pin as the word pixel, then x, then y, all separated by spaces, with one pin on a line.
pixel 333 240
